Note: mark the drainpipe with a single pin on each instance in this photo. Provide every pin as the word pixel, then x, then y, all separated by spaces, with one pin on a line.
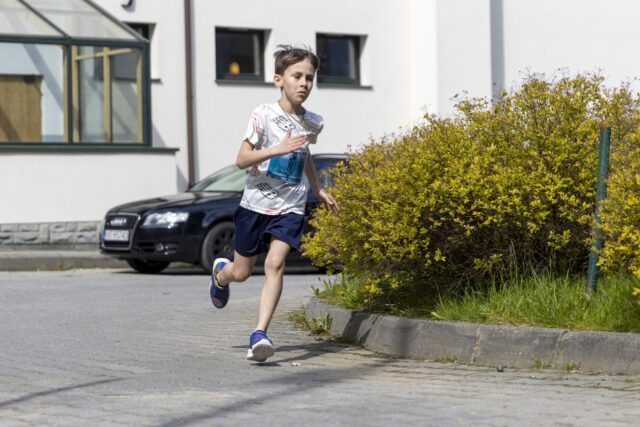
pixel 188 59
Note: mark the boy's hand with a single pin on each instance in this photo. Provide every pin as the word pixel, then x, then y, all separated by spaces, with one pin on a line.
pixel 328 200
pixel 289 143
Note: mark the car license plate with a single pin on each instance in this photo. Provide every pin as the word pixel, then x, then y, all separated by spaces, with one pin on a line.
pixel 116 235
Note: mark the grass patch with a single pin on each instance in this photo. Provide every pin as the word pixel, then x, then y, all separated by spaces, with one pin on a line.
pixel 571 366
pixel 545 300
pixel 550 301
pixel 60 266
pixel 349 292
pixel 539 364
pixel 344 291
pixel 446 359
pixel 317 326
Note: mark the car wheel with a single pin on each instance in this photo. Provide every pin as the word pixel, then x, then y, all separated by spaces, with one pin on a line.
pixel 148 267
pixel 217 244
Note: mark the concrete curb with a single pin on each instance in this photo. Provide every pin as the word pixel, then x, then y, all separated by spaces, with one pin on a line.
pixel 24 259
pixel 34 260
pixel 490 345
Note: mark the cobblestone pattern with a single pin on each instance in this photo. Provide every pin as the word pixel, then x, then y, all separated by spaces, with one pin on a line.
pixel 113 348
pixel 49 233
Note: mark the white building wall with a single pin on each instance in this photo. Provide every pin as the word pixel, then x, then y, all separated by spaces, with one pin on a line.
pixel 463 51
pixel 351 115
pixel 423 57
pixel 576 35
pixel 48 187
pixel 487 45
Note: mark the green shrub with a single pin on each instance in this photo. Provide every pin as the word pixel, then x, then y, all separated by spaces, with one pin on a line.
pixel 621 209
pixel 455 201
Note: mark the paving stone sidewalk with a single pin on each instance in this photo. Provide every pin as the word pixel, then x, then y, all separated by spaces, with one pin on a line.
pixel 110 347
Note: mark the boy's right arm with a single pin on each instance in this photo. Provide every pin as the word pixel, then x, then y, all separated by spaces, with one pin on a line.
pixel 248 156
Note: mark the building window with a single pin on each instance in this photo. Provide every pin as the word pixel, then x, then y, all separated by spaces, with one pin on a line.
pixel 108 99
pixel 125 68
pixel 339 59
pixel 148 31
pixel 239 54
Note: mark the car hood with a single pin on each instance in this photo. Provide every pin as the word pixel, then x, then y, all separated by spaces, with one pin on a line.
pixel 176 200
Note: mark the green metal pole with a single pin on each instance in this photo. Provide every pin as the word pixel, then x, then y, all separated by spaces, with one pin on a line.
pixel 601 194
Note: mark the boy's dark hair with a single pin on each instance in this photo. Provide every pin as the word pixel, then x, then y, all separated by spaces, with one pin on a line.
pixel 287 55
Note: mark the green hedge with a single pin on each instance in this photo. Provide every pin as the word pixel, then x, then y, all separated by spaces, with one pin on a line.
pixel 458 201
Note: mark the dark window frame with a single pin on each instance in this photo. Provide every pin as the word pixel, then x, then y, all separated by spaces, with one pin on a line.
pixel 340 80
pixel 142 28
pixel 243 77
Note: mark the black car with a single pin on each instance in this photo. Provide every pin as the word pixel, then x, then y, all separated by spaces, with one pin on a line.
pixel 193 227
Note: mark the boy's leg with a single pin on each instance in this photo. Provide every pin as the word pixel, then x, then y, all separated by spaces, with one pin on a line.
pixel 237 271
pixel 260 346
pixel 273 278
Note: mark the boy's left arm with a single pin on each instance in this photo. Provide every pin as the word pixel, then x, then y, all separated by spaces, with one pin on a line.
pixel 320 192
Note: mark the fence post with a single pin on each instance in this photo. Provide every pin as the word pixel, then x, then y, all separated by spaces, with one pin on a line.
pixel 601 194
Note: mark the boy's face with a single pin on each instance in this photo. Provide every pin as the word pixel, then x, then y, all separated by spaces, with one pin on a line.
pixel 296 82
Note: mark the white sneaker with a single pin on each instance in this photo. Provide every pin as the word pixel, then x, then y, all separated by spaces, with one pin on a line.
pixel 260 347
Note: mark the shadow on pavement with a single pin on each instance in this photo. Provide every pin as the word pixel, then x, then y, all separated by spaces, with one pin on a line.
pixel 312 350
pixel 300 382
pixel 55 390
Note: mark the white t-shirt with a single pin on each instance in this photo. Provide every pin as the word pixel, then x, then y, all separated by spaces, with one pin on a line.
pixel 276 186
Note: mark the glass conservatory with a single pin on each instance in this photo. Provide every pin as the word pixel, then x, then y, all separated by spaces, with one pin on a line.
pixel 70 73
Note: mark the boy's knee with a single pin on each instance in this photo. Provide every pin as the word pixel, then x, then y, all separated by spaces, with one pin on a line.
pixel 241 275
pixel 273 263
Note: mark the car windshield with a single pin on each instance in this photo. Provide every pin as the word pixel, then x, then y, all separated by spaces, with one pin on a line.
pixel 228 179
pixel 233 179
pixel 324 170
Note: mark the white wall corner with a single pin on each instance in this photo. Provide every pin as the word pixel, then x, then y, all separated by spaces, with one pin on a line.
pixel 424 57
pixel 464 51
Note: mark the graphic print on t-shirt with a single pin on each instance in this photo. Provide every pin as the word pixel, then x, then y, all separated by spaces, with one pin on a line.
pixel 255 120
pixel 268 191
pixel 283 123
pixel 289 167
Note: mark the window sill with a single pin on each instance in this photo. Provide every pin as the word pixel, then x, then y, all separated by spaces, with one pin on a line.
pixel 83 148
pixel 223 82
pixel 343 86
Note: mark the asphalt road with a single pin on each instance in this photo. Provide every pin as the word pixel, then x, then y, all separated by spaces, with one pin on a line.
pixel 110 347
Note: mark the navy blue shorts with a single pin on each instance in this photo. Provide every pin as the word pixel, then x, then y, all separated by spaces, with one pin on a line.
pixel 255 230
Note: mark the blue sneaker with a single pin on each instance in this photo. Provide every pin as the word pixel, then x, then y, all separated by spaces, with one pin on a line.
pixel 260 347
pixel 219 294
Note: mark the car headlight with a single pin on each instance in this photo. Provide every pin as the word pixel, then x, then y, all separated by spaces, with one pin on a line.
pixel 165 219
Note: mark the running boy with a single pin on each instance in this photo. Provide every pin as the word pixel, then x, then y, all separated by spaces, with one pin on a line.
pixel 271 214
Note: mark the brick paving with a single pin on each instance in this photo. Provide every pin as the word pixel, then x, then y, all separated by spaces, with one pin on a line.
pixel 110 347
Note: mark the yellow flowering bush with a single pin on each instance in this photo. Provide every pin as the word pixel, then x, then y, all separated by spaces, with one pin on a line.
pixel 636 293
pixel 621 209
pixel 621 217
pixel 455 200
